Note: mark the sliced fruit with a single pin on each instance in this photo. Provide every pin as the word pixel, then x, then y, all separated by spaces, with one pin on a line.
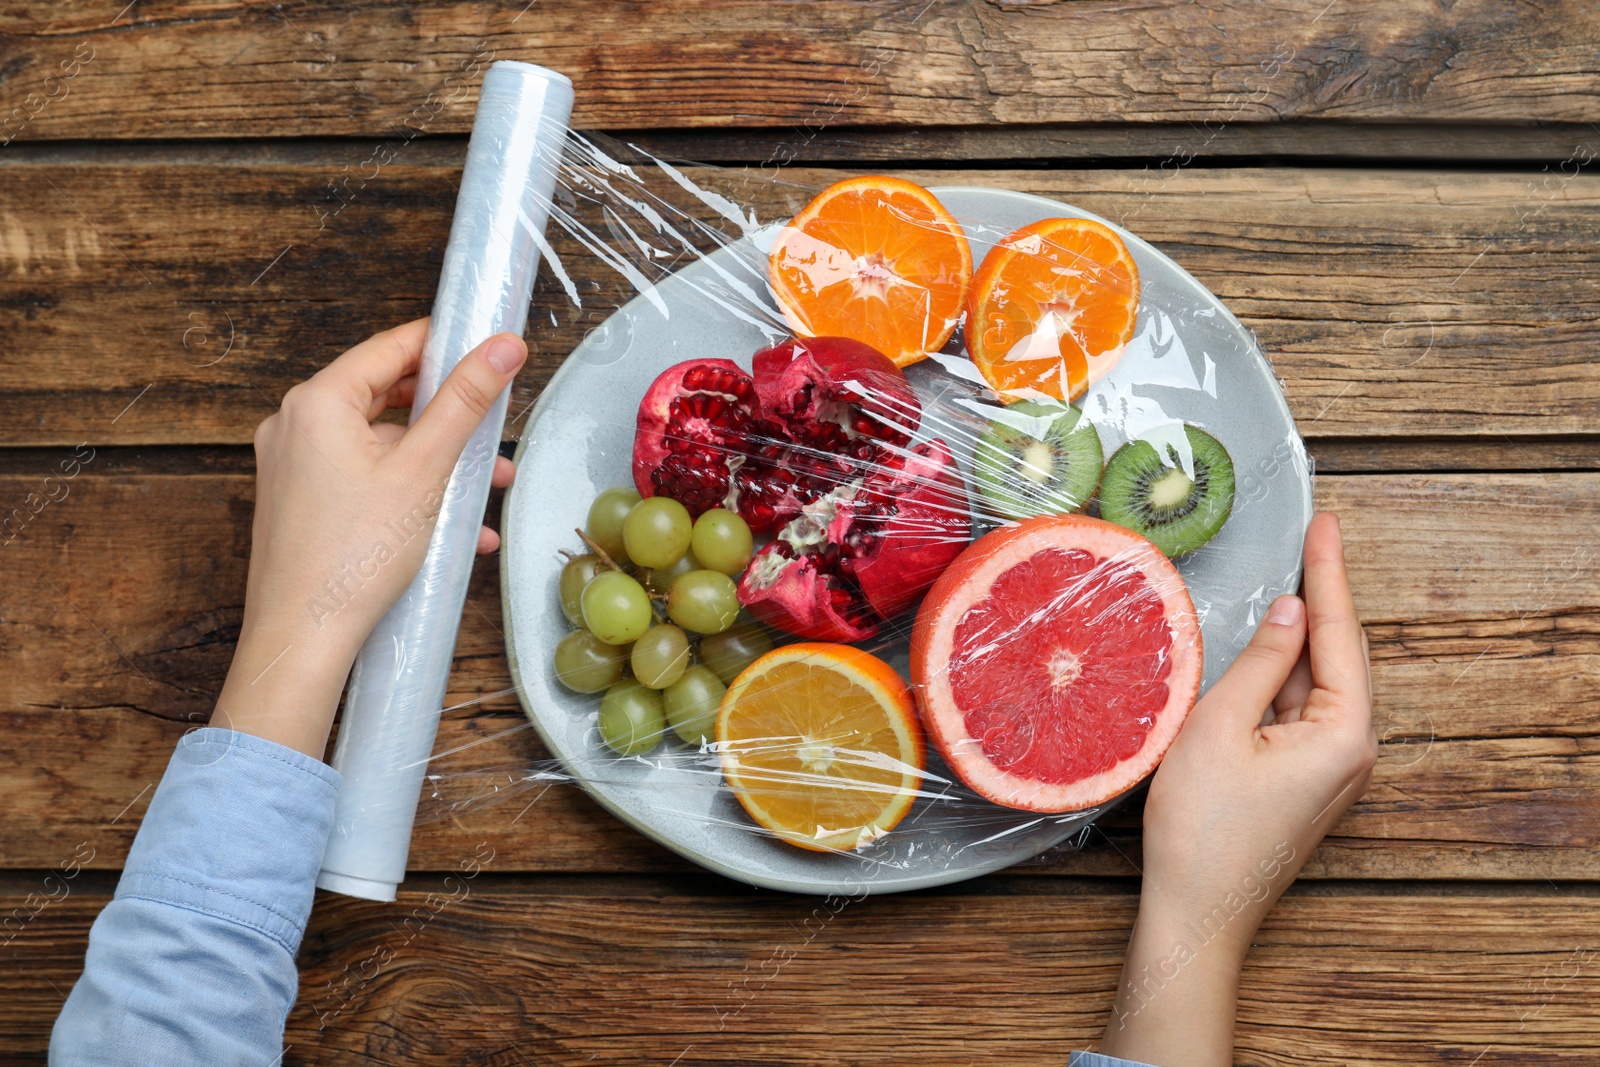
pixel 821 745
pixel 1055 661
pixel 1051 308
pixel 834 396
pixel 1179 502
pixel 1038 457
pixel 876 259
pixel 811 415
pixel 861 555
pixel 699 423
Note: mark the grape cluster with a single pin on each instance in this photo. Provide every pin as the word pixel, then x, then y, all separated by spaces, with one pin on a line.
pixel 658 621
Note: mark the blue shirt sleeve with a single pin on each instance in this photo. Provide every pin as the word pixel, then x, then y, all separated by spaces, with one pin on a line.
pixel 193 961
pixel 1094 1059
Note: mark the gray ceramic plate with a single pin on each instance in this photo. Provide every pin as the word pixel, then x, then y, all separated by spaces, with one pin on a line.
pixel 1190 360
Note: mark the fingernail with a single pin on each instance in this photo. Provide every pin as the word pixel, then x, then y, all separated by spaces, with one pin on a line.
pixel 506 353
pixel 1285 611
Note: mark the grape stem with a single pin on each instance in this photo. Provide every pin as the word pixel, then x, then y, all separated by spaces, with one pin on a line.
pixel 655 598
pixel 597 550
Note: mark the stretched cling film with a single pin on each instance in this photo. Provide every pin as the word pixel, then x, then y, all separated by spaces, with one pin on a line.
pixel 399 678
pixel 652 263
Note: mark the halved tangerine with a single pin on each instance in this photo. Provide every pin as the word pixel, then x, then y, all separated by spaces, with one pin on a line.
pixel 1051 309
pixel 821 744
pixel 875 259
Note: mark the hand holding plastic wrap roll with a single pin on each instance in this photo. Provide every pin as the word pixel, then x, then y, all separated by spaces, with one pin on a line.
pixel 397 686
pixel 881 543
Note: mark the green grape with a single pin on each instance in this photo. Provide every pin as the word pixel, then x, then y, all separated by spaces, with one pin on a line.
pixel 586 664
pixel 631 720
pixel 722 541
pixel 703 601
pixel 606 516
pixel 656 532
pixel 574 576
pixel 659 579
pixel 660 656
pixel 735 648
pixel 616 608
pixel 691 705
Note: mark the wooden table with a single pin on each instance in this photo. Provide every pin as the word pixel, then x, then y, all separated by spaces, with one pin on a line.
pixel 1397 197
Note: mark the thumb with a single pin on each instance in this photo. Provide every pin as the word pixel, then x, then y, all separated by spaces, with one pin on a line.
pixel 435 441
pixel 1254 679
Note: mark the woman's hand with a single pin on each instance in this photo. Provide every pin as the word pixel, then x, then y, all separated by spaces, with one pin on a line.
pixel 1269 760
pixel 344 511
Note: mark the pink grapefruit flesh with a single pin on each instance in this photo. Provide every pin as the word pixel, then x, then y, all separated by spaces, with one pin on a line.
pixel 1054 662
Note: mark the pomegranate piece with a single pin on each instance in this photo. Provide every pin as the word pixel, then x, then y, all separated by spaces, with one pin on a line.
pixel 835 395
pixel 698 425
pixel 913 522
pixel 864 552
pixel 814 414
pixel 815 445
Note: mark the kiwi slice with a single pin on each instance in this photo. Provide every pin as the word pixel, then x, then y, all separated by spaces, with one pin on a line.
pixel 1038 458
pixel 1156 497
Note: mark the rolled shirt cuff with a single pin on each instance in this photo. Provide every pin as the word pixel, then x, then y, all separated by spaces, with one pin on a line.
pixel 236 831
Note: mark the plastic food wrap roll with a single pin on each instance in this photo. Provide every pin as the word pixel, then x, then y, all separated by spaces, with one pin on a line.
pixel 397 686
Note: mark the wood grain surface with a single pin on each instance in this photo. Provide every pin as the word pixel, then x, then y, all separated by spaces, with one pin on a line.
pixel 175 304
pixel 198 68
pixel 491 970
pixel 203 201
pixel 126 597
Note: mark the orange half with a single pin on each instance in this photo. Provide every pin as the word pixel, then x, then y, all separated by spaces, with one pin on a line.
pixel 821 744
pixel 875 259
pixel 1052 308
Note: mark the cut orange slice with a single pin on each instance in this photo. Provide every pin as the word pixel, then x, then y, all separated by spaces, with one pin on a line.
pixel 1052 308
pixel 875 259
pixel 821 744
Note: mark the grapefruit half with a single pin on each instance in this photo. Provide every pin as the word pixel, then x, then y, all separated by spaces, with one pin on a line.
pixel 1054 662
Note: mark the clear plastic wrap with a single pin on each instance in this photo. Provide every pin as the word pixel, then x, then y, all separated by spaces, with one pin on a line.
pixel 962 678
pixel 398 683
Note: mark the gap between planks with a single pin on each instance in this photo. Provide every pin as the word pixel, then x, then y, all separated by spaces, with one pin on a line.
pixel 1489 454
pixel 1375 146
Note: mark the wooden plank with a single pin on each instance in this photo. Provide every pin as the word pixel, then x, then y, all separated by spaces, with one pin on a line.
pixel 297 69
pixel 488 970
pixel 174 304
pixel 122 603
